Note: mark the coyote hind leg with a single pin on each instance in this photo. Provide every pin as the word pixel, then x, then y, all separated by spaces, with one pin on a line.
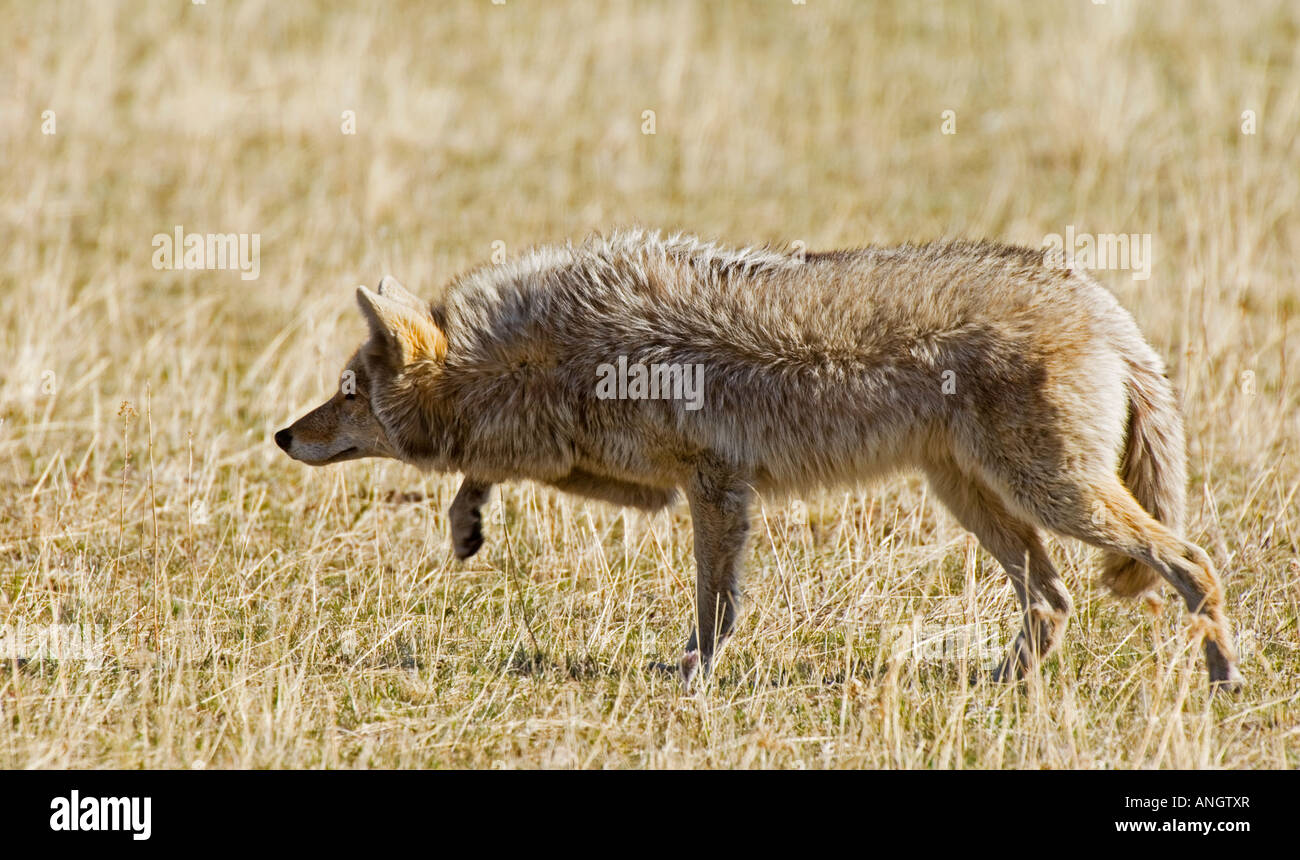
pixel 1044 603
pixel 1115 521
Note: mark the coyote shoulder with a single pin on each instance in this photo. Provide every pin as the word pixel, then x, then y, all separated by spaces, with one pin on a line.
pixel 1023 391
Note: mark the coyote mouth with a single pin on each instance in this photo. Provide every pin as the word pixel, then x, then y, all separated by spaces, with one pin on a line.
pixel 346 454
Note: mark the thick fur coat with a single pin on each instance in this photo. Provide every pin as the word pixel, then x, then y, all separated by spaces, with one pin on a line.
pixel 1024 392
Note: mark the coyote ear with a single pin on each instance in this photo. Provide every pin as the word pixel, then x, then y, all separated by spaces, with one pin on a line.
pixel 390 288
pixel 409 334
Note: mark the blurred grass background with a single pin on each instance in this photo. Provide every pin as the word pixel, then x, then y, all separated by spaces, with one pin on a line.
pixel 248 611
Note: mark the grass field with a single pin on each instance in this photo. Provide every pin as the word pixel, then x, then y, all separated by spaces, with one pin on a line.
pixel 175 592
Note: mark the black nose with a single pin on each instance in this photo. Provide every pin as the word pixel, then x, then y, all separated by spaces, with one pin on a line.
pixel 284 438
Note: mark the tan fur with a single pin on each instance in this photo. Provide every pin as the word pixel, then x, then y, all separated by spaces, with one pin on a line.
pixel 1021 390
pixel 1153 468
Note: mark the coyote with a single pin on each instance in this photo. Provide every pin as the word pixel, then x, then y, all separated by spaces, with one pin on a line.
pixel 1023 391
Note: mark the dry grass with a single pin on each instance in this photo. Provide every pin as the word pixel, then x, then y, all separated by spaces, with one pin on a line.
pixel 243 610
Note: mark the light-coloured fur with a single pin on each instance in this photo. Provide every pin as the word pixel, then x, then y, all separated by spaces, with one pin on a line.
pixel 1024 392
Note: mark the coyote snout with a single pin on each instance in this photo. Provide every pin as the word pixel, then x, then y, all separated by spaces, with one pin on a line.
pixel 342 428
pixel 332 433
pixel 1023 391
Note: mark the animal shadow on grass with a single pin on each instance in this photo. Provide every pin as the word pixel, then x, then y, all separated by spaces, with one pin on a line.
pixel 525 663
pixel 802 672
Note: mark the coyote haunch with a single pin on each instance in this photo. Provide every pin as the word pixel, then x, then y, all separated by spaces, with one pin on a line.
pixel 1024 392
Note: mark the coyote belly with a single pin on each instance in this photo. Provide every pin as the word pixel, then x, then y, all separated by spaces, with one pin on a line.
pixel 1024 392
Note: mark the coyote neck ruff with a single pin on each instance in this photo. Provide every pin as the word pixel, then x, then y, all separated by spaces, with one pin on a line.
pixel 1022 390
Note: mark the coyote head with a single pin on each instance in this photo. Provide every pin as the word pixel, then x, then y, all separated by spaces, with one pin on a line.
pixel 377 405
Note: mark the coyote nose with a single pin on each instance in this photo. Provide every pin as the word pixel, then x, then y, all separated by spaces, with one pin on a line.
pixel 284 438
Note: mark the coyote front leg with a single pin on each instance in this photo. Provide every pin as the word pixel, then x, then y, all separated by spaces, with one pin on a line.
pixel 719 500
pixel 466 519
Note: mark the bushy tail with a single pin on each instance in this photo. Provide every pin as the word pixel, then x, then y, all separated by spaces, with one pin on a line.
pixel 1153 467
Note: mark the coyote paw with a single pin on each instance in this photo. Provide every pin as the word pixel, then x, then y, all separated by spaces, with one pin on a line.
pixel 465 545
pixel 1007 672
pixel 690 667
pixel 1231 685
pixel 1224 677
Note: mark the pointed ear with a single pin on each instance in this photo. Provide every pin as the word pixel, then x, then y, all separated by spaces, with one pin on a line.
pixel 390 288
pixel 407 334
